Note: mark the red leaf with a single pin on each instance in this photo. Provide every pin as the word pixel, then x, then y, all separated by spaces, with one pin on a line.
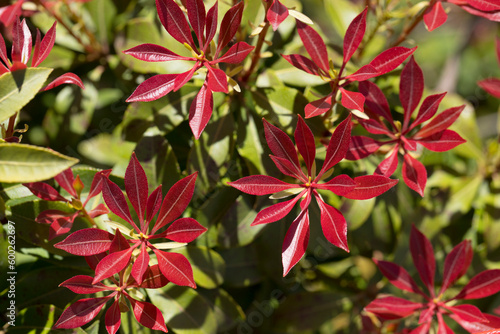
pixel 314 45
pixel 176 268
pixel 200 111
pixel 369 186
pixel 440 122
pixel 352 100
pixel 338 145
pixel 211 25
pixel 422 254
pixel 435 16
pixel 491 85
pixel 44 191
pixel 442 141
pixel 280 144
pixel 89 241
pixel 229 26
pixel 276 211
pixel 97 182
pixel 112 264
pixel 67 78
pixel 360 147
pixel 414 174
pixel 185 230
pixel 398 276
pixel 61 225
pixel 482 285
pixel 339 185
pixel 261 185
pixel 112 319
pixel 295 243
pixel 153 278
pixel 119 243
pixel 174 21
pixel 428 109
pixel 136 187
pixel 82 284
pixel 276 14
pixel 3 51
pixel 43 48
pixel 304 139
pixel 11 13
pixel 422 329
pixel 48 216
pixel 391 58
pixel 116 202
pixel 99 210
pixel 236 54
pixel 93 260
pixel 216 79
pixel 153 204
pixel 319 107
pixel 140 265
pixel 364 73
pixel 176 201
pixel 21 42
pixel 287 168
pixel 468 313
pixel 302 63
pixel 81 312
pixel 65 179
pixel 183 78
pixel 354 35
pixel 153 88
pixel 375 100
pixel 485 5
pixel 392 307
pixel 442 326
pixel 153 53
pixel 388 166
pixel 148 315
pixel 411 87
pixel 476 327
pixel 196 16
pixel 333 225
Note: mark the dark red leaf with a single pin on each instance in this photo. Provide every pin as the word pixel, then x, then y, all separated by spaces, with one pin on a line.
pixel 196 16
pixel 43 48
pixel 183 78
pixel 174 21
pixel 428 109
pixel 276 14
pixel 61 225
pixel 154 53
pixel 185 230
pixel 11 13
pixel 388 166
pixel 414 174
pixel 287 168
pixel 295 243
pixel 398 276
pixel 422 329
pixel 116 202
pixel 153 88
pixel 352 100
pixel 482 285
pixel 440 122
pixel 140 264
pixel 229 25
pixel 89 241
pixel 236 54
pixel 153 278
pixel 153 204
pixel 442 141
pixel 3 51
pixel 304 139
pixel 354 35
pixel 491 85
pixel 211 24
pixel 99 210
pixel 319 107
pixel 411 87
pixel 392 307
pixel 176 201
pixel 369 186
pixel 435 16
pixel 302 63
pixel 216 79
pixel 44 191
pixel 391 58
pixel 148 315
pixel 119 243
pixel 67 78
pixel 200 111
pixel 374 126
pixel 21 42
pixel 485 5
pixel 82 284
pixel 333 225
pixel 112 319
pixel 93 260
pixel 81 312
pixel 442 326
pixel 176 268
pixel 276 212
pixel 360 147
pixel 136 187
pixel 468 313
pixel 422 254
pixel 97 182
pixel 48 216
pixel 261 185
pixel 375 100
pixel 338 145
pixel 339 185
pixel 364 73
pixel 112 264
pixel 314 45
pixel 280 144
pixel 491 326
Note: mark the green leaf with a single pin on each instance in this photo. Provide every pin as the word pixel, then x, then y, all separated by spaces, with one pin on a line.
pixel 341 14
pixel 103 13
pixel 241 267
pixel 208 265
pixel 227 311
pixel 249 144
pixel 357 212
pixel 26 163
pixel 107 149
pixel 19 87
pixel 36 320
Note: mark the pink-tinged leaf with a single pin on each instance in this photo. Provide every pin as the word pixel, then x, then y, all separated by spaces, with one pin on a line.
pixel 136 186
pixel 112 264
pixel 201 111
pixel 185 230
pixel 435 16
pixel 361 146
pixel 82 284
pixel 411 88
pixel 148 315
pixel 97 182
pixel 276 14
pixel 354 35
pixel 216 79
pixel 428 109
pixel 287 168
pixel 81 312
pixel 442 326
pixel 229 26
pixel 67 78
pixel 338 145
pixel 398 276
pixel 388 166
pixel 261 185
pixel 485 5
pixel 211 24
pixel 99 210
pixel 44 191
pixel 364 73
pixel 302 63
pixel 3 52
pixel 422 329
pixel 93 260
pixel 183 78
pixel 65 179
pixel 491 326
pixel 153 88
pixel 276 211
pixel 176 268
pixel 21 42
pixel 339 185
pixel 414 174
pixel 112 319
pixel 392 307
pixel 319 106
pixel 140 264
pixel 153 278
pixel 314 45
pixel 304 139
pixel 375 100
pixel 176 201
pixel 236 54
pixel 369 186
pixel 374 126
pixel 440 122
pixel 154 53
pixel 352 100
pixel 11 13
pixel 409 144
pixel 442 141
pixel 468 313
pixel 89 241
pixel 197 18
pixel 116 202
pixel 119 243
pixel 174 21
pixel 482 285
pixel 43 48
pixel 61 225
pixel 333 225
pixel 280 144
pixel 48 216
pixel 491 85
pixel 306 199
pixel 153 204
pixel 391 58
pixel 295 243
pixel 422 254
